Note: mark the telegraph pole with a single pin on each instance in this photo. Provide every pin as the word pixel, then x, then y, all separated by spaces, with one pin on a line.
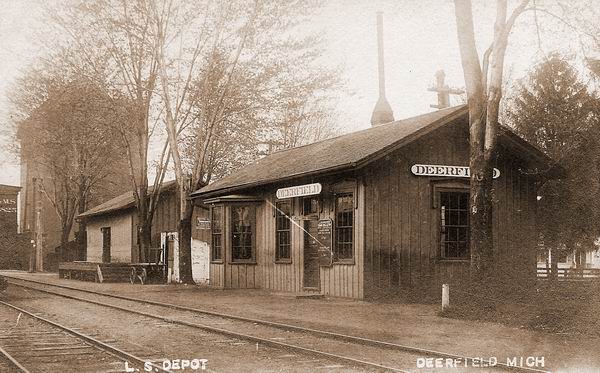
pixel 36 263
pixel 443 91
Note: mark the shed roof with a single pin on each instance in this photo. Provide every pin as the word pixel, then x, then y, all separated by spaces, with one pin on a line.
pixel 9 188
pixel 346 152
pixel 120 202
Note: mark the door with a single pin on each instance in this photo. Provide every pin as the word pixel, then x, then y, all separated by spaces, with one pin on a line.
pixel 200 261
pixel 170 244
pixel 311 255
pixel 105 244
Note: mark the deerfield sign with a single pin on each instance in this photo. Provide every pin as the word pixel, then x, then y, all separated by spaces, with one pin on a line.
pixel 299 191
pixel 445 171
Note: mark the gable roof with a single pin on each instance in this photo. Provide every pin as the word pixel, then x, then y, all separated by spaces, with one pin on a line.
pixel 344 152
pixel 121 202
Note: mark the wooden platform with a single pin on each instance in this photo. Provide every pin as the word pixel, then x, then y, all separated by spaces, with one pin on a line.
pixel 112 272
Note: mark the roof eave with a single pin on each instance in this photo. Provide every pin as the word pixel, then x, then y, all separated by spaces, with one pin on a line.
pixel 218 192
pixel 347 166
pixel 105 212
pixel 413 137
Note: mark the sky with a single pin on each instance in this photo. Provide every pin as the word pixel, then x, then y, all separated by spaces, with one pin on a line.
pixel 419 39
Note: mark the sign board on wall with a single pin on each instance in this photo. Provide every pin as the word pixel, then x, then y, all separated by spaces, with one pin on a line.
pixel 445 171
pixel 325 237
pixel 8 204
pixel 202 223
pixel 299 191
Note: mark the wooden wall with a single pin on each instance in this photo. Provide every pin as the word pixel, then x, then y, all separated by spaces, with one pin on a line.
pixel 284 277
pixel 166 216
pixel 396 235
pixel 236 275
pixel 120 237
pixel 402 251
pixel 344 280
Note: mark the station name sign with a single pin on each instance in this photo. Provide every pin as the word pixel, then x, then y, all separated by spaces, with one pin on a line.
pixel 299 191
pixel 445 171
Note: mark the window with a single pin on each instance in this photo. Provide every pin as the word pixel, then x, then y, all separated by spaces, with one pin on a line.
pixel 310 206
pixel 283 231
pixel 454 225
pixel 217 233
pixel 344 222
pixel 242 242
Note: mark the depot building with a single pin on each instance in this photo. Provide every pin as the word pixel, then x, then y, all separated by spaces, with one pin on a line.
pixel 379 211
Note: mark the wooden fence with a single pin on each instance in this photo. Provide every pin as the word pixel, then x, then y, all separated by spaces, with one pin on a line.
pixel 570 274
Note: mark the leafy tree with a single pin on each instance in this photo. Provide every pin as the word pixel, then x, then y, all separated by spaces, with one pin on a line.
pixel 66 130
pixel 112 39
pixel 553 109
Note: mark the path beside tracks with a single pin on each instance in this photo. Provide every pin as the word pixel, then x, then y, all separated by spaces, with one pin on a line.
pixel 347 349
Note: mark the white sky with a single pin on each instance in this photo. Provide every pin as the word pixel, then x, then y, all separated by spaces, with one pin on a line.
pixel 419 37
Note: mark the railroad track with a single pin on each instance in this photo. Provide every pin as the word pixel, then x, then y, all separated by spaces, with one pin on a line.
pixel 352 350
pixel 32 343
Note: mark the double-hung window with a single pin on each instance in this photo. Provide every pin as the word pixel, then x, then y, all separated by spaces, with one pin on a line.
pixel 283 228
pixel 242 233
pixel 344 227
pixel 217 233
pixel 454 224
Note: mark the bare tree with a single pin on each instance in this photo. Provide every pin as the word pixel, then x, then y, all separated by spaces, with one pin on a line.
pixel 115 39
pixel 234 85
pixel 483 81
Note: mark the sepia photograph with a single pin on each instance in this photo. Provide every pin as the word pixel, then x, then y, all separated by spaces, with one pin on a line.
pixel 299 186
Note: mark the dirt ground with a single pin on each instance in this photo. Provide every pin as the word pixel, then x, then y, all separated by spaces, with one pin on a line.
pixel 410 324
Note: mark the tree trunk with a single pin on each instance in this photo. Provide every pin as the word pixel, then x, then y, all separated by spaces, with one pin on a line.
pixel 185 244
pixel 481 240
pixel 144 239
pixel 81 235
pixel 64 255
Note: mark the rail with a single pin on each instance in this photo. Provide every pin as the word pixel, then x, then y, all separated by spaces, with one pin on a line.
pixel 91 340
pixel 328 334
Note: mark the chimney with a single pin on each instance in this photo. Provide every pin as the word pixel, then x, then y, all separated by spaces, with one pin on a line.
pixel 383 111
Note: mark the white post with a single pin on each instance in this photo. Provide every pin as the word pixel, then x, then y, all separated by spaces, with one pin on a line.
pixel 445 296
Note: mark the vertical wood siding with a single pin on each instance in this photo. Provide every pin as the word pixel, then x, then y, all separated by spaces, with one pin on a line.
pixel 401 237
pixel 342 280
pixel 166 216
pixel 284 277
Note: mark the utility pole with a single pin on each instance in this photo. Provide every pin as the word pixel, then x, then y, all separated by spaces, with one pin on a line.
pixel 36 262
pixel 443 91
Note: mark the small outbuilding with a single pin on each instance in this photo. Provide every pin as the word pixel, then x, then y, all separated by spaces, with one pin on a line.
pixel 15 248
pixel 379 211
pixel 111 230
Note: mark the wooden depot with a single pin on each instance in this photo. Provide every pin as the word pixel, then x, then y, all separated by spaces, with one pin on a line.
pixel 376 212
